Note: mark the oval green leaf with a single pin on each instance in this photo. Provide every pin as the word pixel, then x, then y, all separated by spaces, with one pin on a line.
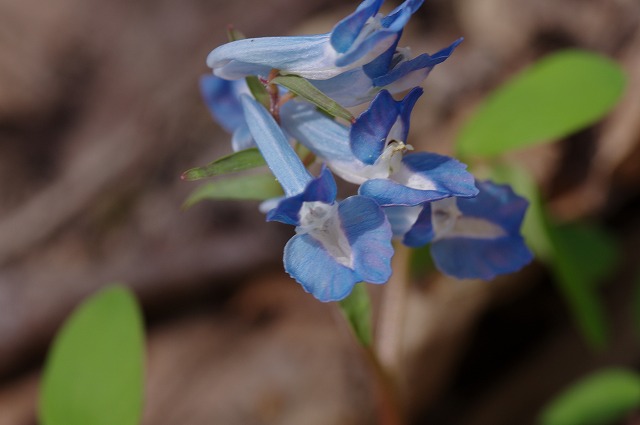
pixel 600 399
pixel 94 371
pixel 308 91
pixel 252 187
pixel 237 161
pixel 558 95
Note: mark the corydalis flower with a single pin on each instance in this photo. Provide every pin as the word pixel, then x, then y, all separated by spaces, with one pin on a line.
pixel 222 97
pixel 337 244
pixel 394 71
pixel 356 40
pixel 373 153
pixel 470 237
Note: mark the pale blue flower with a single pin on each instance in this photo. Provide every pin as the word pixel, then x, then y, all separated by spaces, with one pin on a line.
pixel 356 40
pixel 222 97
pixel 372 153
pixel 395 71
pixel 471 238
pixel 337 244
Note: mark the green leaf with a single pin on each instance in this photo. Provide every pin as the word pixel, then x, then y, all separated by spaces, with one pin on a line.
pixel 258 90
pixel 94 371
pixel 582 256
pixel 238 161
pixel 558 95
pixel 600 399
pixel 357 310
pixel 252 187
pixel 305 89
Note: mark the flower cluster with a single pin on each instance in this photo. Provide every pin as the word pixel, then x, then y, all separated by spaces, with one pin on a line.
pixel 417 197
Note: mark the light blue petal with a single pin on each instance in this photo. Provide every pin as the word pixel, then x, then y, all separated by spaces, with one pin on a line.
pixel 275 148
pixel 365 51
pixel 425 177
pixel 421 233
pixel 306 260
pixel 466 258
pixel 222 99
pixel 402 219
pixel 368 136
pixel 242 138
pixel 369 234
pixel 448 175
pixel 309 56
pixel 389 193
pixel 347 30
pixel 350 88
pixel 321 134
pixel 322 189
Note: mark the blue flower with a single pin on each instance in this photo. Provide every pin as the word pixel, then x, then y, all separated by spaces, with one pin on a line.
pixel 337 244
pixel 471 238
pixel 356 40
pixel 372 153
pixel 222 97
pixel 394 71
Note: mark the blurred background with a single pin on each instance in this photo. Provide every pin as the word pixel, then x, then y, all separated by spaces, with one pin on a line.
pixel 100 113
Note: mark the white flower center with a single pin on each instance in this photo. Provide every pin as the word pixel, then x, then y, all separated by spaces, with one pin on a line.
pixel 322 222
pixel 449 222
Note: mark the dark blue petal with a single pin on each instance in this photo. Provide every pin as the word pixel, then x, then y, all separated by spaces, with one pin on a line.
pixel 422 62
pixel 467 258
pixel 369 234
pixel 380 65
pixel 405 106
pixel 497 204
pixel 400 15
pixel 309 263
pixel 347 30
pixel 421 232
pixel 322 189
pixel 368 135
pixel 222 98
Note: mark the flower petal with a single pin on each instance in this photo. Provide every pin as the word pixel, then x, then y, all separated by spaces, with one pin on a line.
pixel 422 177
pixel 412 72
pixel 322 135
pixel 402 219
pixel 466 258
pixel 222 99
pixel 421 233
pixel 311 265
pixel 347 30
pixel 322 189
pixel 369 234
pixel 275 148
pixel 368 135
